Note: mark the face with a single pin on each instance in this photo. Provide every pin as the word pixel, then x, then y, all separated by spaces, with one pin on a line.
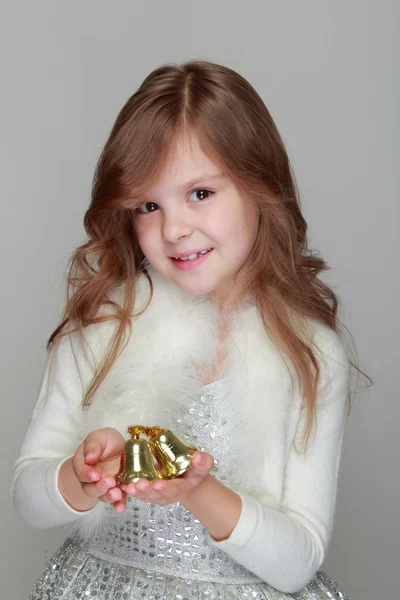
pixel 194 226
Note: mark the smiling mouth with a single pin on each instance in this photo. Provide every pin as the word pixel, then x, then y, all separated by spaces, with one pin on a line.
pixel 192 256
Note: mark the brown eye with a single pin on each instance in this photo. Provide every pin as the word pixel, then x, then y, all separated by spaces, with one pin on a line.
pixel 201 194
pixel 148 207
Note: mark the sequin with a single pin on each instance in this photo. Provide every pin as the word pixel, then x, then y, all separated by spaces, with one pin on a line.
pixel 162 552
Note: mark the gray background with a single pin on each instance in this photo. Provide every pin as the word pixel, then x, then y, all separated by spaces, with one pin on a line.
pixel 327 71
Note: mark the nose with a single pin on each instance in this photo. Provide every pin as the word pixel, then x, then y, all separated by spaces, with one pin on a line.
pixel 175 225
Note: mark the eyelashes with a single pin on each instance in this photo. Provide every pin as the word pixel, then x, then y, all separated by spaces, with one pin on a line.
pixel 202 190
pixel 145 208
pixel 149 207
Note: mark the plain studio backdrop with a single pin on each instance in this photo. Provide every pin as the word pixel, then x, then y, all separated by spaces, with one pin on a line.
pixel 327 72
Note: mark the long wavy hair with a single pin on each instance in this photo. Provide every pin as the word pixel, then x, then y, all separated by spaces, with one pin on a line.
pixel 235 129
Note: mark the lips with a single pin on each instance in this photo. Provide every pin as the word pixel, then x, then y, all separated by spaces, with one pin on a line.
pixel 191 254
pixel 188 264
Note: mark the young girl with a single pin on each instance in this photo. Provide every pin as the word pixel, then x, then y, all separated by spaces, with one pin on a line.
pixel 194 305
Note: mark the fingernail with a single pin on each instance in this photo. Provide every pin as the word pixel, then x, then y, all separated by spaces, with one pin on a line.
pixel 201 460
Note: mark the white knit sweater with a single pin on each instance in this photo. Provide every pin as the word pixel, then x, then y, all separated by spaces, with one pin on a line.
pixel 288 500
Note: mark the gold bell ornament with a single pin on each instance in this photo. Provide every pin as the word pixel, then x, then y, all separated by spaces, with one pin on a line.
pixel 136 459
pixel 173 456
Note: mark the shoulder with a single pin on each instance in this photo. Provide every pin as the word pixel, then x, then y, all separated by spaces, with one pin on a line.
pixel 327 343
pixel 332 356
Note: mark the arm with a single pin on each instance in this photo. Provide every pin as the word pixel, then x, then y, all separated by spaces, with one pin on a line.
pixel 51 440
pixel 286 547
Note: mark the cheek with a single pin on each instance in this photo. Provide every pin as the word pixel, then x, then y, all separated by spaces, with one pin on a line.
pixel 251 222
pixel 246 235
pixel 239 231
pixel 146 234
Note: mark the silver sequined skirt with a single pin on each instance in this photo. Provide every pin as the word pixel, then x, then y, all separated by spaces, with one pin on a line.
pixel 73 573
pixel 153 552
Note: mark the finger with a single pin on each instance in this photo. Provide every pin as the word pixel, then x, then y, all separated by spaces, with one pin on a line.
pixel 160 485
pixel 202 462
pixel 130 488
pixel 120 506
pixel 95 490
pixel 104 498
pixel 143 490
pixel 143 485
pixel 171 489
pixel 102 444
pixel 134 489
pixel 93 449
pixel 113 495
pixel 87 474
pixel 150 495
pixel 84 472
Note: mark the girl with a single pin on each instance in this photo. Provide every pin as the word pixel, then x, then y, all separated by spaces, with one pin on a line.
pixel 194 305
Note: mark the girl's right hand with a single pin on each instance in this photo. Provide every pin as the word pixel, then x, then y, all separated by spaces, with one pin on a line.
pixel 96 463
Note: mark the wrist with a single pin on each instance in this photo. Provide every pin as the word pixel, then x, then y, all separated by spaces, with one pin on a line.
pixel 216 506
pixel 71 490
pixel 197 493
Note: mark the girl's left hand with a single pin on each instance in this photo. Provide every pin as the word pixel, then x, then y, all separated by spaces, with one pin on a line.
pixel 163 491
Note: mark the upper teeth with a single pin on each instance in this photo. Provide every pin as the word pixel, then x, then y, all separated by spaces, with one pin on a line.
pixel 193 256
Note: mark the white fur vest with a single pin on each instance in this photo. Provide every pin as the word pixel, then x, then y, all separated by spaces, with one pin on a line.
pixel 155 374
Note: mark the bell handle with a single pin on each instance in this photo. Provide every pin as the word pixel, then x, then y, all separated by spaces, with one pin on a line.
pixel 156 430
pixel 136 430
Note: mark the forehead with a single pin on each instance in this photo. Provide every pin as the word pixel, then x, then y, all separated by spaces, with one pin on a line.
pixel 186 161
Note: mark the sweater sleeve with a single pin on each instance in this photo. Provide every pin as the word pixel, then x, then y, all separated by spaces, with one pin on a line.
pixel 286 546
pixel 52 438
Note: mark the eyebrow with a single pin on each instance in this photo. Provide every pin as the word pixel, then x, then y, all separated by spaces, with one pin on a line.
pixel 203 177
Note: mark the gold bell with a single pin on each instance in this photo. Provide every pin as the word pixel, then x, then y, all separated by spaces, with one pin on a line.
pixel 136 459
pixel 172 454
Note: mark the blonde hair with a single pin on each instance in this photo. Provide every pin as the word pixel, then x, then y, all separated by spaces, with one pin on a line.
pixel 235 129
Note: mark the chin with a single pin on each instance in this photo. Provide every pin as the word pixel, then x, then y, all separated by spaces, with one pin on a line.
pixel 195 288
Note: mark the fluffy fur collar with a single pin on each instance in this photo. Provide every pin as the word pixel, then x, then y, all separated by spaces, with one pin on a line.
pixel 151 380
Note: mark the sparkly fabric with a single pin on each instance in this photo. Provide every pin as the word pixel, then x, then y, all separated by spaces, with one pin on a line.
pixel 74 574
pixel 163 552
